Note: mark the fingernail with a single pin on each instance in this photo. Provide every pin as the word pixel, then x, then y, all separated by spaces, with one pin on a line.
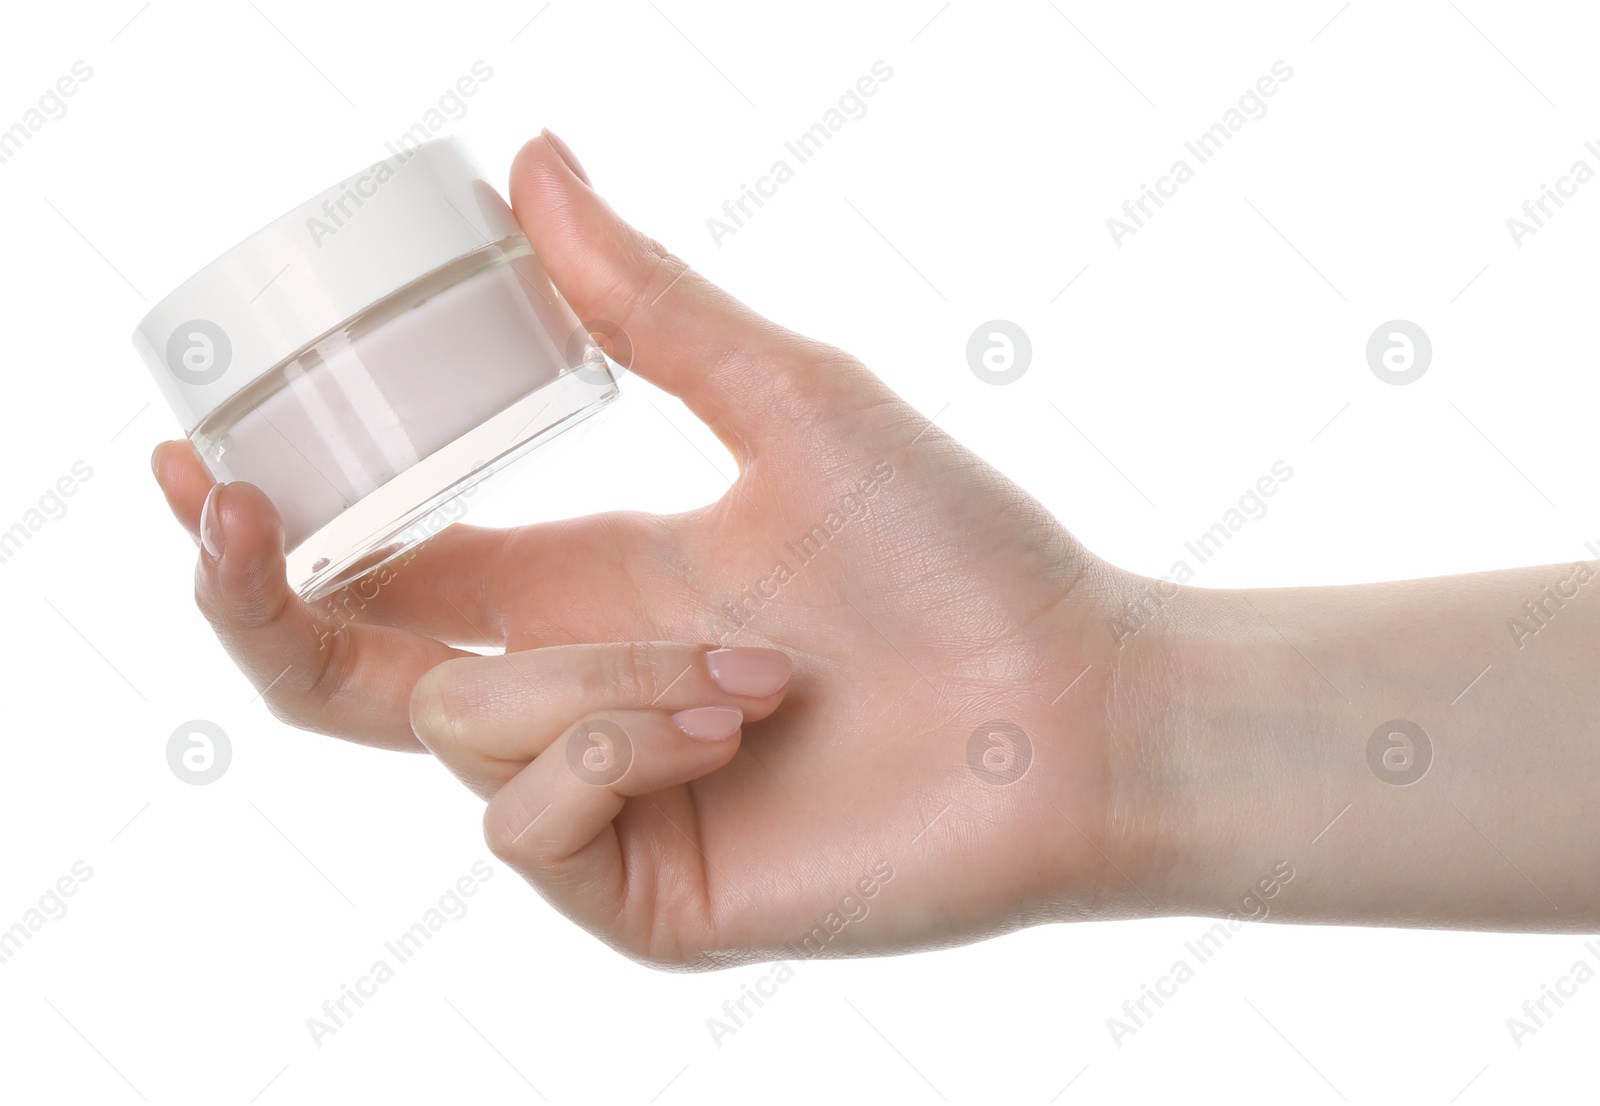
pixel 567 155
pixel 211 538
pixel 709 723
pixel 751 673
pixel 155 463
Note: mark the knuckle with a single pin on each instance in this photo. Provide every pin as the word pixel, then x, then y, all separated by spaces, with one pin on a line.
pixel 278 707
pixel 521 844
pixel 330 672
pixel 814 382
pixel 825 372
pixel 629 672
pixel 299 695
pixel 250 604
pixel 281 706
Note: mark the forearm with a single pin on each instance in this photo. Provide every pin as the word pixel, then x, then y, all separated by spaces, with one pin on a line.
pixel 1269 701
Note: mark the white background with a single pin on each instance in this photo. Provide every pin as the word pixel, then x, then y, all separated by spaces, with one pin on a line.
pixel 1227 334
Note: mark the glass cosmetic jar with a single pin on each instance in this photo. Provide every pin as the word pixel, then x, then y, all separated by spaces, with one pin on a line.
pixel 373 355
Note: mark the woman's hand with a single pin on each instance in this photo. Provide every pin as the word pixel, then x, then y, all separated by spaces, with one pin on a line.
pixel 940 764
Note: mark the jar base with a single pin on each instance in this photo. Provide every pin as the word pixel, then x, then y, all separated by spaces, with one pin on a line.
pixel 394 520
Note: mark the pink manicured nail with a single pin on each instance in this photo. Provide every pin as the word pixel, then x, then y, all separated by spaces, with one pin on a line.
pixel 211 538
pixel 567 155
pixel 750 673
pixel 709 723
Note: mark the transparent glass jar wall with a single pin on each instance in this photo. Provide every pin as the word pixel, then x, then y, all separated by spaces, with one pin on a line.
pixel 365 433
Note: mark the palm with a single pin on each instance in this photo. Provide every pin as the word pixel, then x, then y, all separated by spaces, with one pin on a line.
pixel 901 662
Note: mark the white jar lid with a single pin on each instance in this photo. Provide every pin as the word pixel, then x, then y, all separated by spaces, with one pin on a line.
pixel 309 271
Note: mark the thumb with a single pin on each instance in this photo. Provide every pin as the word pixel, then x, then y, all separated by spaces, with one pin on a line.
pixel 746 377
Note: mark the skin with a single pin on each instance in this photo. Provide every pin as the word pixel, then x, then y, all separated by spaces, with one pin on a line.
pixel 863 806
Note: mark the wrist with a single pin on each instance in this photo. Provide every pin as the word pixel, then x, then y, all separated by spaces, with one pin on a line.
pixel 1235 742
pixel 1266 717
pixel 1136 653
